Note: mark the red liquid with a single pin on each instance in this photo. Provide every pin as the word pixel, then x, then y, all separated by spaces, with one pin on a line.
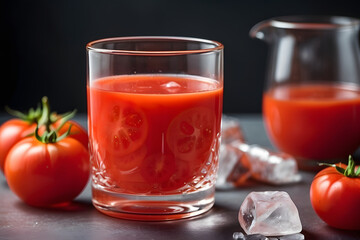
pixel 154 134
pixel 318 122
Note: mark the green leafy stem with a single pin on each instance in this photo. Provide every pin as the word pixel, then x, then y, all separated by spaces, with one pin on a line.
pixel 43 116
pixel 349 171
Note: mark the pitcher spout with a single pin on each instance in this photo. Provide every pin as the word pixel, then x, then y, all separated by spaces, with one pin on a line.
pixel 261 30
pixel 265 30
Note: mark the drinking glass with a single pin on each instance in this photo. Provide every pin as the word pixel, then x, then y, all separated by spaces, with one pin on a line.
pixel 311 102
pixel 154 115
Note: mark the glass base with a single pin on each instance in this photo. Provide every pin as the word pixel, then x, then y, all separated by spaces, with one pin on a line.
pixel 153 208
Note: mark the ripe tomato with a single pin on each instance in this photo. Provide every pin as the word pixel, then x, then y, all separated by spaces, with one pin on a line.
pixel 24 125
pixel 11 132
pixel 14 130
pixel 44 174
pixel 335 197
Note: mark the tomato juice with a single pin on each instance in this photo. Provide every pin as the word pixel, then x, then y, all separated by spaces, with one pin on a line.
pixel 154 134
pixel 314 121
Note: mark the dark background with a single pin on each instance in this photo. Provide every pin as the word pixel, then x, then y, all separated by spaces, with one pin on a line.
pixel 43 42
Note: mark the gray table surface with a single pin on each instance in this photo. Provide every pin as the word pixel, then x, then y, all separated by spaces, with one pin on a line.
pixel 82 221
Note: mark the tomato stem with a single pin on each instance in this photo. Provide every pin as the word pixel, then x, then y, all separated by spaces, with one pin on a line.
pixel 32 116
pixel 51 137
pixel 42 115
pixel 349 171
pixel 65 117
pixel 45 117
pixel 67 133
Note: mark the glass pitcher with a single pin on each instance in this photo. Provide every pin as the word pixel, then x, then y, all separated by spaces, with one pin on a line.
pixel 311 101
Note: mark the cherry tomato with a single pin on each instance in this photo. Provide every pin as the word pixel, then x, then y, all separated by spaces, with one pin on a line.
pixel 335 197
pixel 44 174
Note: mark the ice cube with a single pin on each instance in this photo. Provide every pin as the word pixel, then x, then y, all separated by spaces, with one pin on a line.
pixel 271 213
pixel 231 130
pixel 268 166
pixel 227 162
pixel 297 236
pixel 252 160
pixel 170 84
pixel 232 171
pixel 171 87
pixel 241 236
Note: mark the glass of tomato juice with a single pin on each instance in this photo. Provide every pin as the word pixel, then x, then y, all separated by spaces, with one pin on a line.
pixel 154 116
pixel 311 103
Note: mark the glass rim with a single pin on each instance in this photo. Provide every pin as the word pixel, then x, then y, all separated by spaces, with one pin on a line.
pixel 90 46
pixel 314 22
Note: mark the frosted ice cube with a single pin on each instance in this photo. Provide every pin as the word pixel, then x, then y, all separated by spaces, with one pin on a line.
pixel 241 236
pixel 264 165
pixel 227 161
pixel 269 167
pixel 297 236
pixel 232 170
pixel 271 213
pixel 231 130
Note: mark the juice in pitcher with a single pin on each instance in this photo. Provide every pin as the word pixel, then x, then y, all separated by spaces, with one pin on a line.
pixel 314 121
pixel 311 99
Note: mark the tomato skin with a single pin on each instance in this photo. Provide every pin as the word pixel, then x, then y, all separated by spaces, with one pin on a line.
pixel 46 174
pixel 336 199
pixel 11 132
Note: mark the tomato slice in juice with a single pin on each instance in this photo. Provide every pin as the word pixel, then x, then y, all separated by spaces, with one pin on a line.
pixel 190 135
pixel 125 130
pixel 181 176
pixel 120 140
pixel 158 168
